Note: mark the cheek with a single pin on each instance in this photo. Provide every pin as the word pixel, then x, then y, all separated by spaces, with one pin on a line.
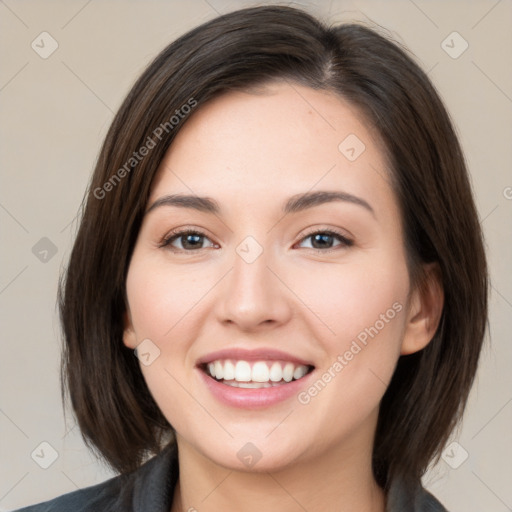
pixel 361 312
pixel 164 307
pixel 347 299
pixel 167 306
pixel 161 301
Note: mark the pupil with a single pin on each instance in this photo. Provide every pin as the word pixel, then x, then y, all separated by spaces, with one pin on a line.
pixel 322 237
pixel 188 237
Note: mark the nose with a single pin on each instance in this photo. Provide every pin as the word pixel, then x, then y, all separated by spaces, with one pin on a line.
pixel 253 296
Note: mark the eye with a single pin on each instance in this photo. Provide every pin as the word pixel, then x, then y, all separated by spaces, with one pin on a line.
pixel 189 240
pixel 192 240
pixel 322 240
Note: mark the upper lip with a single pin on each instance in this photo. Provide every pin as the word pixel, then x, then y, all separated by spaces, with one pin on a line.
pixel 262 354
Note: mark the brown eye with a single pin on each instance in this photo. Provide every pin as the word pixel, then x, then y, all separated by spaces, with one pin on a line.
pixel 323 240
pixel 188 240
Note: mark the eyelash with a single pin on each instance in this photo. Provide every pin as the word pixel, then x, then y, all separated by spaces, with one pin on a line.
pixel 174 235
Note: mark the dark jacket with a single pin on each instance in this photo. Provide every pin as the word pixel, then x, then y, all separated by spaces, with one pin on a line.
pixel 151 489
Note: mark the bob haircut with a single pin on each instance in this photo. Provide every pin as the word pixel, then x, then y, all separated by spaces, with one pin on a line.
pixel 243 50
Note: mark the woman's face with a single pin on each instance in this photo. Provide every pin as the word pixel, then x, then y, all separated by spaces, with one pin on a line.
pixel 260 296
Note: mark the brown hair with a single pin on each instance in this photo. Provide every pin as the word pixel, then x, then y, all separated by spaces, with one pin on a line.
pixel 425 399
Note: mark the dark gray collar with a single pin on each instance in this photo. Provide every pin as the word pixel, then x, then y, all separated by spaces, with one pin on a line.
pixel 404 497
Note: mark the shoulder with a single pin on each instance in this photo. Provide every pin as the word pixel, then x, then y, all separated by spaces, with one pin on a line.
pixel 102 496
pixel 149 487
pixel 412 498
pixel 428 503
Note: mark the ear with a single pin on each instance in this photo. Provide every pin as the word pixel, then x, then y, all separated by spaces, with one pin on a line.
pixel 129 337
pixel 425 309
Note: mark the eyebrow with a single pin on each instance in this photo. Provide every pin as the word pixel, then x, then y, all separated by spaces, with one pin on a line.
pixel 296 203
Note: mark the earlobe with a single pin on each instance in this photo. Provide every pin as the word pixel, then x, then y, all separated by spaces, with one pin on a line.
pixel 425 310
pixel 129 337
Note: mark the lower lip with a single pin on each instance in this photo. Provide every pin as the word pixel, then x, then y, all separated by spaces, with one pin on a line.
pixel 247 398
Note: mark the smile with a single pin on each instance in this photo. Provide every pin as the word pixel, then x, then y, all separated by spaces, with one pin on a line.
pixel 255 374
pixel 252 379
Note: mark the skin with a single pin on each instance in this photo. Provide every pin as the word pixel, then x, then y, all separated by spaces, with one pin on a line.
pixel 251 151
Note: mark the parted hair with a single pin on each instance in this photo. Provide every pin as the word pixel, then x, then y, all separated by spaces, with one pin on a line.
pixel 425 399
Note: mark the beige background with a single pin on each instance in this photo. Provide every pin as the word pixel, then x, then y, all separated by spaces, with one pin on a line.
pixel 54 115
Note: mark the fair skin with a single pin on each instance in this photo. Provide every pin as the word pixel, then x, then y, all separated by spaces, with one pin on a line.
pixel 251 153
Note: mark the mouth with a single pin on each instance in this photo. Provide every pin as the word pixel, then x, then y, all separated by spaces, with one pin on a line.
pixel 255 374
pixel 253 379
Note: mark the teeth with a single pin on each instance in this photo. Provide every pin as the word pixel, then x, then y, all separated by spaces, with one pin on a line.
pixel 229 370
pixel 299 372
pixel 260 374
pixel 242 371
pixel 219 369
pixel 254 385
pixel 276 372
pixel 288 372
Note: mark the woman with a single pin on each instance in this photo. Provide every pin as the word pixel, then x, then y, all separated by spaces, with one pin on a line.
pixel 280 227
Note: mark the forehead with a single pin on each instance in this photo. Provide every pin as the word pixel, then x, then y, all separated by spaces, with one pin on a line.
pixel 278 140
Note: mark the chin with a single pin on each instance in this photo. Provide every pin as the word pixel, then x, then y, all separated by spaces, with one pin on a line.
pixel 251 457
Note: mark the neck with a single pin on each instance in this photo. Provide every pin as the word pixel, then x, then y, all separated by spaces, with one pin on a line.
pixel 339 480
